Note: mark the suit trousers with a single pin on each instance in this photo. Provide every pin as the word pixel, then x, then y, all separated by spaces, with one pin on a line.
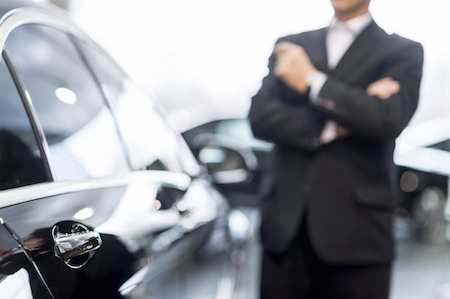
pixel 299 273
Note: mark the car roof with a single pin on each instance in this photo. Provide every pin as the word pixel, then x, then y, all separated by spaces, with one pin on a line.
pixel 6 6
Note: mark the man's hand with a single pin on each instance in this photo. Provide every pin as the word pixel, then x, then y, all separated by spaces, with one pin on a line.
pixel 384 88
pixel 293 65
pixel 341 131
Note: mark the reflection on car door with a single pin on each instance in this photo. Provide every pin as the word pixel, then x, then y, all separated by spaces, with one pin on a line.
pixel 92 240
pixel 19 279
pixel 94 274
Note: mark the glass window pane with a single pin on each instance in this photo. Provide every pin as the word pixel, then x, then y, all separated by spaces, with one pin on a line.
pixel 153 142
pixel 80 131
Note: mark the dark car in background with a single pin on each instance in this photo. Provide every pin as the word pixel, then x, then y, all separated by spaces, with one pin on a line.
pixel 237 161
pixel 99 196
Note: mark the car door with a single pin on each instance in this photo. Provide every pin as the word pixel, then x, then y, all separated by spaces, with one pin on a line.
pixel 88 222
pixel 18 276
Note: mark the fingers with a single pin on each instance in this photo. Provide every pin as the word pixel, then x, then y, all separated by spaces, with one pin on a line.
pixel 285 46
pixel 384 88
pixel 292 65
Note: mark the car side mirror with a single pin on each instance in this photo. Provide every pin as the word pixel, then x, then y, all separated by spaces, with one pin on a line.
pixel 225 159
pixel 226 166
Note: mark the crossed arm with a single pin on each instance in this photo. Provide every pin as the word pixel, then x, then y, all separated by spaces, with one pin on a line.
pixel 383 88
pixel 293 67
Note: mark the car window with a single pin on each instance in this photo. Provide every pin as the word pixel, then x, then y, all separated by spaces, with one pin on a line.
pixel 78 126
pixel 20 157
pixel 154 144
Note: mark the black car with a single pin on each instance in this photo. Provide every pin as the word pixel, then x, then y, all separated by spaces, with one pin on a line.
pixel 236 160
pixel 100 197
pixel 227 147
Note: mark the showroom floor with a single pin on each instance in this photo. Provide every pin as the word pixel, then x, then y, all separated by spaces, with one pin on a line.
pixel 421 270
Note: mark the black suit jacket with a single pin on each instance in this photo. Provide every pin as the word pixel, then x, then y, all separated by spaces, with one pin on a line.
pixel 346 187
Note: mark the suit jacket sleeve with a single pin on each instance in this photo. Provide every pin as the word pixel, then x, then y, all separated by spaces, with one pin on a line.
pixel 273 118
pixel 369 116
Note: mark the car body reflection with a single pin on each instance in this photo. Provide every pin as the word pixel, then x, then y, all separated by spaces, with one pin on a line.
pixel 100 197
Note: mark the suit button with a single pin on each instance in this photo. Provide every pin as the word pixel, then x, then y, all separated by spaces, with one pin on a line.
pixel 329 104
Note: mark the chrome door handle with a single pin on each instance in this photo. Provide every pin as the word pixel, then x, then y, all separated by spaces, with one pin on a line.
pixel 75 243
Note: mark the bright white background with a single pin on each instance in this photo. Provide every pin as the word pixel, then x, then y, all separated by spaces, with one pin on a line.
pixel 205 58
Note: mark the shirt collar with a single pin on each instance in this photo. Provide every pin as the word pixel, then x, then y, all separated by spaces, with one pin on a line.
pixel 355 25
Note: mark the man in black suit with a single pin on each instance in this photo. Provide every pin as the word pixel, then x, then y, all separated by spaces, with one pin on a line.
pixel 334 101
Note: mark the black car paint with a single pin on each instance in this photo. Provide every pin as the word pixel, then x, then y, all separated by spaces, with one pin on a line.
pixel 69 230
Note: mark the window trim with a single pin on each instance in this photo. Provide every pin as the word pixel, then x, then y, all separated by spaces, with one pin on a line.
pixel 32 117
pixel 22 16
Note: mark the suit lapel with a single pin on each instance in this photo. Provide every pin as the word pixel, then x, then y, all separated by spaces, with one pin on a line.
pixel 364 43
pixel 317 51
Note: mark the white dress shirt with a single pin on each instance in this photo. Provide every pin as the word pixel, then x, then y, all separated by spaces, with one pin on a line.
pixel 340 35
